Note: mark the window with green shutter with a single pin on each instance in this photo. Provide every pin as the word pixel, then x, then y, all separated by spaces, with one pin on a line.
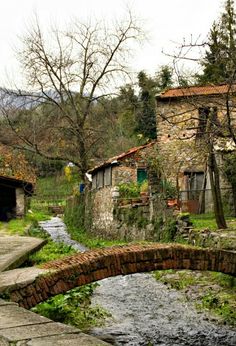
pixel 141 175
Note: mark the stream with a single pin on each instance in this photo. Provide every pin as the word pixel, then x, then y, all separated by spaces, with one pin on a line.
pixel 146 312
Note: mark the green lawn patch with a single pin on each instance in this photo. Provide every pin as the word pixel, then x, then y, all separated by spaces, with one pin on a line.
pixel 90 241
pixel 203 221
pixel 49 252
pixel 22 226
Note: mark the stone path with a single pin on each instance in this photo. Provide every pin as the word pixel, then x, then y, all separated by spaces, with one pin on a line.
pixel 14 250
pixel 19 278
pixel 21 327
pixel 56 228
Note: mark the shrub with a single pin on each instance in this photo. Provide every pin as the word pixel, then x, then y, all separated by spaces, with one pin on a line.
pixel 73 308
pixel 75 212
pixel 168 189
pixel 144 186
pixel 129 190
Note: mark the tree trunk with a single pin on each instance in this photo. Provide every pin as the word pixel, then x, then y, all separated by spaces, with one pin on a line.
pixel 201 209
pixel 82 157
pixel 215 189
pixel 234 197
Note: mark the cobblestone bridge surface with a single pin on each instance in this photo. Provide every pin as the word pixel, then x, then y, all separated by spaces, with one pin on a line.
pixel 83 268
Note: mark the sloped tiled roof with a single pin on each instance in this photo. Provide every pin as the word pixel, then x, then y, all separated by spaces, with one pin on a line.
pixel 120 157
pixel 198 91
pixel 14 182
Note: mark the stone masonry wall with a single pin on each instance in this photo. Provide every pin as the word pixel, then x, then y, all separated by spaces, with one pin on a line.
pixel 102 213
pixel 105 222
pixel 113 222
pixel 177 143
pixel 81 269
pixel 124 174
pixel 20 202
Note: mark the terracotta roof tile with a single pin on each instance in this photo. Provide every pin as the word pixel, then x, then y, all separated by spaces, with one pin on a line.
pixel 198 90
pixel 120 156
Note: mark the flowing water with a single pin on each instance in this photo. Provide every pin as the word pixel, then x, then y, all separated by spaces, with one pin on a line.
pixel 145 312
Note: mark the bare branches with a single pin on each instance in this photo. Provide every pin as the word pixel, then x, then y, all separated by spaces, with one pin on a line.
pixel 67 73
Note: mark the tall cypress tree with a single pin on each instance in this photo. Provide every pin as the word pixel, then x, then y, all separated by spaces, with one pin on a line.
pixel 149 87
pixel 219 63
pixel 146 115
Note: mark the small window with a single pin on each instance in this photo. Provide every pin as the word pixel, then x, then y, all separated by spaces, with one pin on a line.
pixel 100 179
pixel 141 175
pixel 203 113
pixel 215 119
pixel 107 176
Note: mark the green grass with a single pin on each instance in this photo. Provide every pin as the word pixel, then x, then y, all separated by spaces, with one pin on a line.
pixel 222 304
pixel 21 226
pixel 203 221
pixel 17 226
pixel 178 282
pixel 74 308
pixel 56 185
pixel 49 252
pixel 36 216
pixel 90 241
pixel 53 190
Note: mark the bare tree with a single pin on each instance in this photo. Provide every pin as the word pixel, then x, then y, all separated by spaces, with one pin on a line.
pixel 67 74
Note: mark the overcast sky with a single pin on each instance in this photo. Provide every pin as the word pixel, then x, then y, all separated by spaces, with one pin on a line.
pixel 165 21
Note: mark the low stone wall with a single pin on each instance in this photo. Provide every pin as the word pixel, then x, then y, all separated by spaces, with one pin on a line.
pixel 102 210
pixel 113 221
pixel 218 239
pixel 91 266
pixel 132 222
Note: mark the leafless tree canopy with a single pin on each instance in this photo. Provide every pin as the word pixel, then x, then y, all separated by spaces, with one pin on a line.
pixel 67 74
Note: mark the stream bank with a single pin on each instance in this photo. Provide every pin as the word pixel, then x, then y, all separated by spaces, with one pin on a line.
pixel 146 312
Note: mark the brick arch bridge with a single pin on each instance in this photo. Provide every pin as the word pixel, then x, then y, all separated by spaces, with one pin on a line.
pixel 94 265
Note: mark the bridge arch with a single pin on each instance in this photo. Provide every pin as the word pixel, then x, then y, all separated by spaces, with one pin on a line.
pixel 94 265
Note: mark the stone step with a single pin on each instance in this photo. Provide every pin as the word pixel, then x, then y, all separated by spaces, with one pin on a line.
pixel 17 278
pixel 14 250
pixel 25 328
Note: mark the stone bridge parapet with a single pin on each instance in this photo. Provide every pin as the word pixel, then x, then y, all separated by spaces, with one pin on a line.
pixel 83 268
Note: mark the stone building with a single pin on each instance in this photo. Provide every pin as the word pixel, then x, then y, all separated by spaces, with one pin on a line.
pixel 13 193
pixel 182 136
pixel 127 167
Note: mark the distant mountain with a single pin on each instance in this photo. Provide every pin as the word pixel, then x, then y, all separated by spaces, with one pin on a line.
pixel 18 99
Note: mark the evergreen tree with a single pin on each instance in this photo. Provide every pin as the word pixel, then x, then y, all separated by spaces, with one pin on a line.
pixel 146 115
pixel 164 78
pixel 219 63
pixel 149 87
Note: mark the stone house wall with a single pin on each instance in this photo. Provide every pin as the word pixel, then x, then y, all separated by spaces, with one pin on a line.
pixel 102 210
pixel 124 224
pixel 181 147
pixel 20 202
pixel 124 174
